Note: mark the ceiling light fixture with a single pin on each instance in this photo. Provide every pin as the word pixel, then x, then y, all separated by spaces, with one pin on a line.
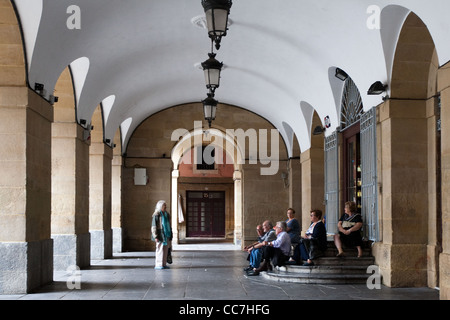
pixel 341 74
pixel 217 12
pixel 377 88
pixel 319 130
pixel 210 108
pixel 212 69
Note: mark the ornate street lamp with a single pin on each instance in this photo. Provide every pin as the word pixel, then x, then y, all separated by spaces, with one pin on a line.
pixel 210 108
pixel 217 12
pixel 212 69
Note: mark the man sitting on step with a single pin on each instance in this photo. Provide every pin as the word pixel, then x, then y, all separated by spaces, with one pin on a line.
pixel 266 233
pixel 276 251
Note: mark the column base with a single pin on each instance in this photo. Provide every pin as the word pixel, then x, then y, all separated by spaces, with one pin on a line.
pixel 444 276
pixel 25 266
pixel 402 265
pixel 101 244
pixel 71 250
pixel 117 240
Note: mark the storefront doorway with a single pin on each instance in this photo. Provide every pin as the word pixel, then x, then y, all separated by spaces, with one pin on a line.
pixel 352 165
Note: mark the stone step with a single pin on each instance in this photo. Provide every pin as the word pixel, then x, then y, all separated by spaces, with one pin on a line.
pixel 345 261
pixel 325 269
pixel 316 278
pixel 332 251
pixel 328 269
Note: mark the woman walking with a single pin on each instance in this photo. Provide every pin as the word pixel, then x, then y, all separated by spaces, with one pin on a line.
pixel 161 234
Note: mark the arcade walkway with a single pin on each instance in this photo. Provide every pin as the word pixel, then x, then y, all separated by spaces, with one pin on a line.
pixel 199 274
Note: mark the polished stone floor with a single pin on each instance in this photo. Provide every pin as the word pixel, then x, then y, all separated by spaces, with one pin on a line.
pixel 198 272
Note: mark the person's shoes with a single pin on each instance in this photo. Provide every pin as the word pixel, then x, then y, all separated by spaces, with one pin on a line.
pixel 264 266
pixel 308 264
pixel 249 268
pixel 340 254
pixel 253 273
pixel 166 267
pixel 159 268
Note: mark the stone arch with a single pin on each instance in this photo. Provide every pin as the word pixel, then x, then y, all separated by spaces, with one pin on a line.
pixel 65 107
pixel 415 56
pixel 221 139
pixel 12 52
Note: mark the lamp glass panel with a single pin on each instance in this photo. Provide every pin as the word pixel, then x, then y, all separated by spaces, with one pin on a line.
pixel 217 26
pixel 207 110
pixel 212 78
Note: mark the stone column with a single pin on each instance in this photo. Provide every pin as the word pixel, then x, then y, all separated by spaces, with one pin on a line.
pixel 444 258
pixel 237 178
pixel 402 256
pixel 433 247
pixel 295 186
pixel 116 199
pixel 70 196
pixel 100 163
pixel 26 249
pixel 174 209
pixel 312 162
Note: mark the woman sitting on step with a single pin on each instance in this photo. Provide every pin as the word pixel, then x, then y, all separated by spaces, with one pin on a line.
pixel 349 227
pixel 315 242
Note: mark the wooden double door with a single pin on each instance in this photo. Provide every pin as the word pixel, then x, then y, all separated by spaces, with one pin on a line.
pixel 205 214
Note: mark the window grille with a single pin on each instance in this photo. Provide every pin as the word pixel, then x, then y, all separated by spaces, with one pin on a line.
pixel 351 106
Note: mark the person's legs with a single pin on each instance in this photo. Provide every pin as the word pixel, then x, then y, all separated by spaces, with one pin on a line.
pixel 303 252
pixel 338 244
pixel 255 258
pixel 159 255
pixel 267 253
pixel 278 258
pixel 360 251
pixel 165 254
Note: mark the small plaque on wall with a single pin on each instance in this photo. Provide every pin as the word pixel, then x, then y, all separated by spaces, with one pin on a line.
pixel 140 177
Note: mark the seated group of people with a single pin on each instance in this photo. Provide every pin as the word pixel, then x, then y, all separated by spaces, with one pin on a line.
pixel 283 244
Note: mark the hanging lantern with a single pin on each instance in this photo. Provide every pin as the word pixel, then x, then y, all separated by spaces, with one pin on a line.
pixel 212 69
pixel 210 109
pixel 217 12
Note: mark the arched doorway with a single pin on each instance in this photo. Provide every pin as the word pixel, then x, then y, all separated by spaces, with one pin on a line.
pixel 350 163
pixel 351 112
pixel 206 188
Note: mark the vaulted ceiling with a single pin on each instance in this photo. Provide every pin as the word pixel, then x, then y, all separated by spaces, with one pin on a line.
pixel 138 57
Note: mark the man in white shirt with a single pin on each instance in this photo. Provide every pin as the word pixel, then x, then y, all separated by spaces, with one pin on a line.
pixel 277 250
